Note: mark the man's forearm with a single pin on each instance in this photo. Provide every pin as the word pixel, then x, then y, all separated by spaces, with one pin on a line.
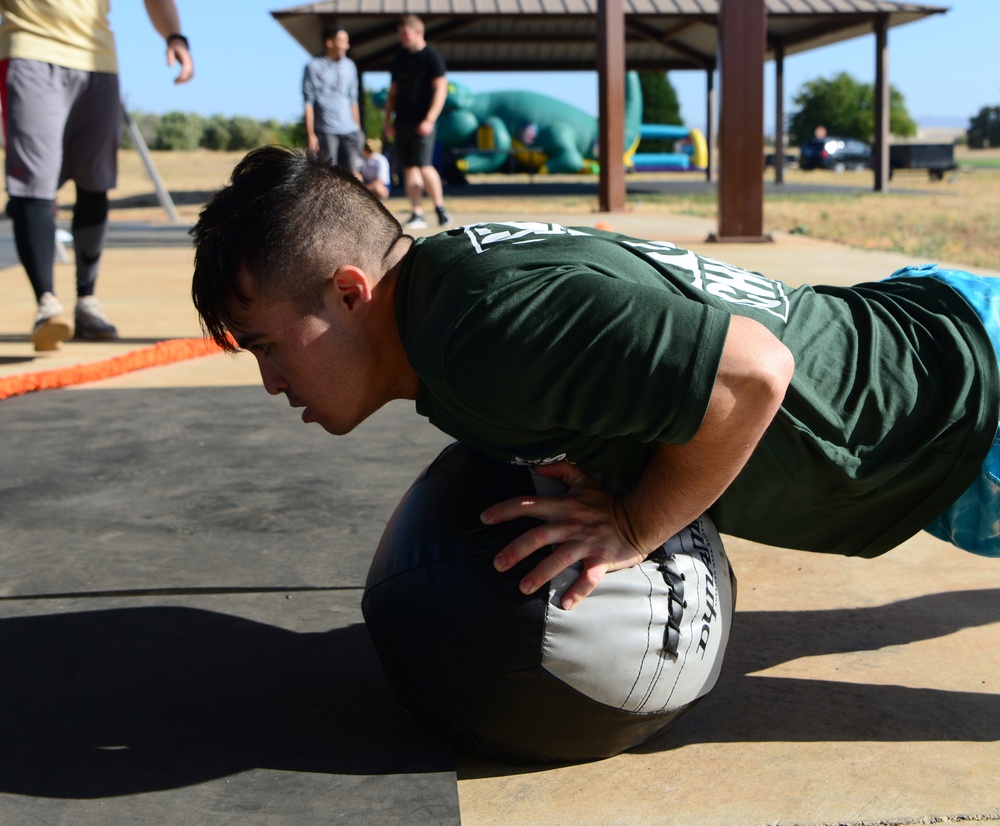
pixel 684 481
pixel 390 107
pixel 164 17
pixel 437 101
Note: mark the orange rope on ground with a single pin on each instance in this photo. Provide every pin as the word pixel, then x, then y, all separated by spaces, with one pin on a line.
pixel 163 352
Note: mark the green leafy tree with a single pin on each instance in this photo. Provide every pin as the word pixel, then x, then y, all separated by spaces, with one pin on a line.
pixel 217 134
pixel 247 133
pixel 295 134
pixel 274 132
pixel 844 107
pixel 372 118
pixel 984 128
pixel 179 131
pixel 659 105
pixel 147 122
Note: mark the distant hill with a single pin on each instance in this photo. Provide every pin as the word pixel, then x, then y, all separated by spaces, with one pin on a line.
pixel 940 122
pixel 937 129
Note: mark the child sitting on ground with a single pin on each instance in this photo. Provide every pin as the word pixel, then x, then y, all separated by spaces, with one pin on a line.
pixel 375 169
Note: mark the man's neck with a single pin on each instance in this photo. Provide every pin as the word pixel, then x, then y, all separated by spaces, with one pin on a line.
pixel 399 372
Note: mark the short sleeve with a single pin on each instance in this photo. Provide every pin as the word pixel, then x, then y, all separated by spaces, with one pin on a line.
pixel 308 85
pixel 592 354
pixel 437 65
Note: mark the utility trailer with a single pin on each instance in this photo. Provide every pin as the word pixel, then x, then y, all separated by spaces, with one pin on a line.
pixel 936 158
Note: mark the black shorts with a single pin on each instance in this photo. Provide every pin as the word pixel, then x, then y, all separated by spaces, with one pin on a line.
pixel 413 149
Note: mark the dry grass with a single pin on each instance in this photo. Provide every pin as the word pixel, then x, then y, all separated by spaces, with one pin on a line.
pixel 954 220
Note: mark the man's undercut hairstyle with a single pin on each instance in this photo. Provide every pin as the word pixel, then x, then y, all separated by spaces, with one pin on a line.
pixel 289 219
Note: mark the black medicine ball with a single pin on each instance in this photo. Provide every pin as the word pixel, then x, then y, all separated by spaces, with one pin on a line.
pixel 517 677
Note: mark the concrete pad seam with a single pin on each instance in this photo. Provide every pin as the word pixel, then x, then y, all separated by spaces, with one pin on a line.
pixel 180 592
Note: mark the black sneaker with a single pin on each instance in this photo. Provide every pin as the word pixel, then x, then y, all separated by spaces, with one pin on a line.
pixel 91 323
pixel 443 217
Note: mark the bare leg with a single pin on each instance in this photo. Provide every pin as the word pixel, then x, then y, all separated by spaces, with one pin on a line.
pixel 414 183
pixel 432 183
pixel 378 189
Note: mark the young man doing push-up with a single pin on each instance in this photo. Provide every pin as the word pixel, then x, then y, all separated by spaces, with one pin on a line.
pixel 655 383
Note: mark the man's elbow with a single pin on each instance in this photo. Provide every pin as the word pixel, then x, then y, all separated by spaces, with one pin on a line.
pixel 775 373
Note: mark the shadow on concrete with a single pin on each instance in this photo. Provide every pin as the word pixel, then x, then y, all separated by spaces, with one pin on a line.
pixel 518 187
pixel 586 187
pixel 132 700
pixel 182 197
pixel 746 708
pixel 125 701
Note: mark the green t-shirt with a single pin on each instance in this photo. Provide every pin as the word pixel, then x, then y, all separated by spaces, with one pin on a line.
pixel 536 342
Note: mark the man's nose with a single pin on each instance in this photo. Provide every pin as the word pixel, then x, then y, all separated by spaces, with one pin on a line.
pixel 274 382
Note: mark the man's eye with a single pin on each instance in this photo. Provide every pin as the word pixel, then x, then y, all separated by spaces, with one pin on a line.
pixel 260 349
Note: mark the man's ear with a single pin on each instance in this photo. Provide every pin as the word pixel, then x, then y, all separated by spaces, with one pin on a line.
pixel 351 288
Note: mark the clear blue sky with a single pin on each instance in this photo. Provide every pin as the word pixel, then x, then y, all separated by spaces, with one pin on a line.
pixel 246 64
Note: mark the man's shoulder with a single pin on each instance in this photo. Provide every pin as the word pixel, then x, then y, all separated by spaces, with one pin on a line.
pixel 433 57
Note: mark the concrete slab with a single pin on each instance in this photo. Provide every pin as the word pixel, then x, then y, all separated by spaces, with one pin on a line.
pixel 855 691
pixel 194 487
pixel 180 619
pixel 259 708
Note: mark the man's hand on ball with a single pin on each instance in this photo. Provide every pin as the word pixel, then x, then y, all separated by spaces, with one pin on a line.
pixel 587 524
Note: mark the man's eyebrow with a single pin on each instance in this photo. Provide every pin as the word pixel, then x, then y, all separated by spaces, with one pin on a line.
pixel 244 340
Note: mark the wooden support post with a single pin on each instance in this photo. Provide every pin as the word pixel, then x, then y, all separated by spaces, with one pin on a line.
pixel 711 136
pixel 611 94
pixel 880 153
pixel 742 33
pixel 779 114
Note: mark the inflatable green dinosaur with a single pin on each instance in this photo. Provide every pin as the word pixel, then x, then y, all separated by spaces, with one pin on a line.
pixel 543 133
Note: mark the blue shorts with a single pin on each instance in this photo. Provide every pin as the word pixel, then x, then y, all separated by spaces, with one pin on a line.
pixel 973 521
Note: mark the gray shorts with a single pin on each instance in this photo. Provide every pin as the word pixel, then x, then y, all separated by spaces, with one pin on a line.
pixel 343 150
pixel 62 124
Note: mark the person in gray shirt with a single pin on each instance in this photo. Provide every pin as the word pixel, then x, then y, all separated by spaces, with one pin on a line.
pixel 330 91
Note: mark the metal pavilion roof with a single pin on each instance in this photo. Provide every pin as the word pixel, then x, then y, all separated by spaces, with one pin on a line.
pixel 547 35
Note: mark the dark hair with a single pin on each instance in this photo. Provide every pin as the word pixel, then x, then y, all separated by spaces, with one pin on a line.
pixel 331 31
pixel 289 218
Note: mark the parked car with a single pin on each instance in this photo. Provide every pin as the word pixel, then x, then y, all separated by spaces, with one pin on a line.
pixel 837 154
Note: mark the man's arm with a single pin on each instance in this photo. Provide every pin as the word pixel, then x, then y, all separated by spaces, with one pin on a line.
pixel 356 98
pixel 605 532
pixel 388 127
pixel 312 141
pixel 440 89
pixel 166 20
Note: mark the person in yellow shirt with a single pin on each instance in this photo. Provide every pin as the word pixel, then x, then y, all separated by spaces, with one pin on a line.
pixel 62 118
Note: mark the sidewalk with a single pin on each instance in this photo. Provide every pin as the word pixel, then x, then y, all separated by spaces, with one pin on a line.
pixel 181 638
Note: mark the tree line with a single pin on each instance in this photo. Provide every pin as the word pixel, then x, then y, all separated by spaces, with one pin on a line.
pixel 840 104
pixel 185 131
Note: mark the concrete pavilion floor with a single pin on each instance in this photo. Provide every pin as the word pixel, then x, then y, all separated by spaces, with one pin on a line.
pixel 181 638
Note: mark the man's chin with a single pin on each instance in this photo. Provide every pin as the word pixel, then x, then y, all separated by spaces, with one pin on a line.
pixel 339 429
pixel 335 429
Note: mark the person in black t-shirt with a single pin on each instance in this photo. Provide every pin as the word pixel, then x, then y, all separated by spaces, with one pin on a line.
pixel 416 97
